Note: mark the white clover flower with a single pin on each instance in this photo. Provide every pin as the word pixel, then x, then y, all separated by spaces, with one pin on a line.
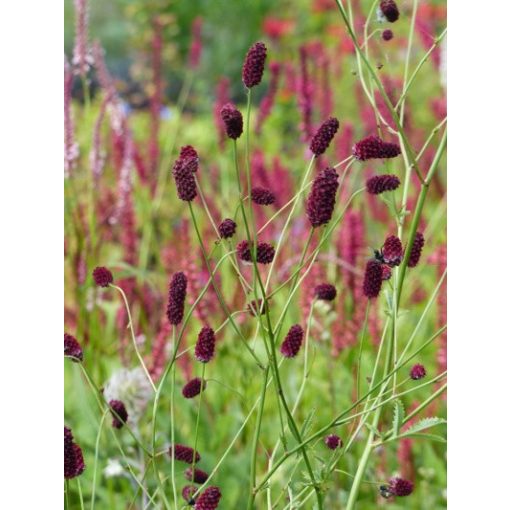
pixel 113 468
pixel 132 388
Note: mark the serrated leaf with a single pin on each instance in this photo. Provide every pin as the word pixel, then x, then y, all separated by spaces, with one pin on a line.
pixel 430 437
pixel 426 423
pixel 398 416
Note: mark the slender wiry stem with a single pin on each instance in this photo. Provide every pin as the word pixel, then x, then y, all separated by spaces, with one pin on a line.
pixel 96 459
pixel 195 442
pixel 133 336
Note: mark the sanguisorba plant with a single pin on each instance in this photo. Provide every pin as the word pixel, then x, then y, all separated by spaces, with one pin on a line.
pixel 271 309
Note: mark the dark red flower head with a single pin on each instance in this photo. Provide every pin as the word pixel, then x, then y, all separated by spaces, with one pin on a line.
pixel 418 372
pixel 321 201
pixel 265 252
pixel 321 140
pixel 183 171
pixel 400 487
pixel 73 456
pixel 193 387
pixel 204 349
pixel 392 251
pixel 373 279
pixel 102 276
pixel 253 67
pixel 325 292
pixel 262 196
pixel 387 35
pixel 381 183
pixel 189 152
pixel 183 453
pixel 119 413
pixel 72 348
pixel 196 475
pixel 292 343
pixel 333 442
pixel 233 120
pixel 390 10
pixel 373 147
pixel 187 493
pixel 227 228
pixel 176 298
pixel 419 242
pixel 209 499
pixel 386 272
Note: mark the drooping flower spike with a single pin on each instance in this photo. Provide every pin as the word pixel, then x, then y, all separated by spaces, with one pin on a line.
pixel 392 251
pixel 193 388
pixel 325 292
pixel 209 499
pixel 183 171
pixel 372 281
pixel 417 372
pixel 73 456
pixel 372 147
pixel 419 242
pixel 233 121
pixel 262 196
pixel 388 11
pixel 227 228
pixel 102 276
pixel 72 348
pixel 204 349
pixel 183 453
pixel 176 298
pixel 321 201
pixel 292 343
pixel 265 252
pixel 322 138
pixel 400 487
pixel 119 413
pixel 253 67
pixel 381 183
pixel 196 475
pixel 333 442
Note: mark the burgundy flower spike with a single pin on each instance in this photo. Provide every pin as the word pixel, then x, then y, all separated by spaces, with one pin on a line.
pixel 292 343
pixel 196 475
pixel 204 349
pixel 418 372
pixel 120 416
pixel 233 120
pixel 183 453
pixel 321 140
pixel 400 487
pixel 265 252
pixel 227 228
pixel 373 147
pixel 176 298
pixel 73 456
pixel 392 251
pixel 419 242
pixel 325 292
pixel 373 279
pixel 381 183
pixel 209 499
pixel 262 196
pixel 333 442
pixel 183 171
pixel 102 276
pixel 253 67
pixel 389 10
pixel 72 348
pixel 193 388
pixel 321 201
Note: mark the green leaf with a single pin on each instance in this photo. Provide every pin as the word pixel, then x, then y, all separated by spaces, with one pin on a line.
pixel 426 423
pixel 307 423
pixel 430 437
pixel 398 416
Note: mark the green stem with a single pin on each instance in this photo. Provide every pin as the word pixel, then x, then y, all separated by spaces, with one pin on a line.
pixel 253 463
pixel 96 459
